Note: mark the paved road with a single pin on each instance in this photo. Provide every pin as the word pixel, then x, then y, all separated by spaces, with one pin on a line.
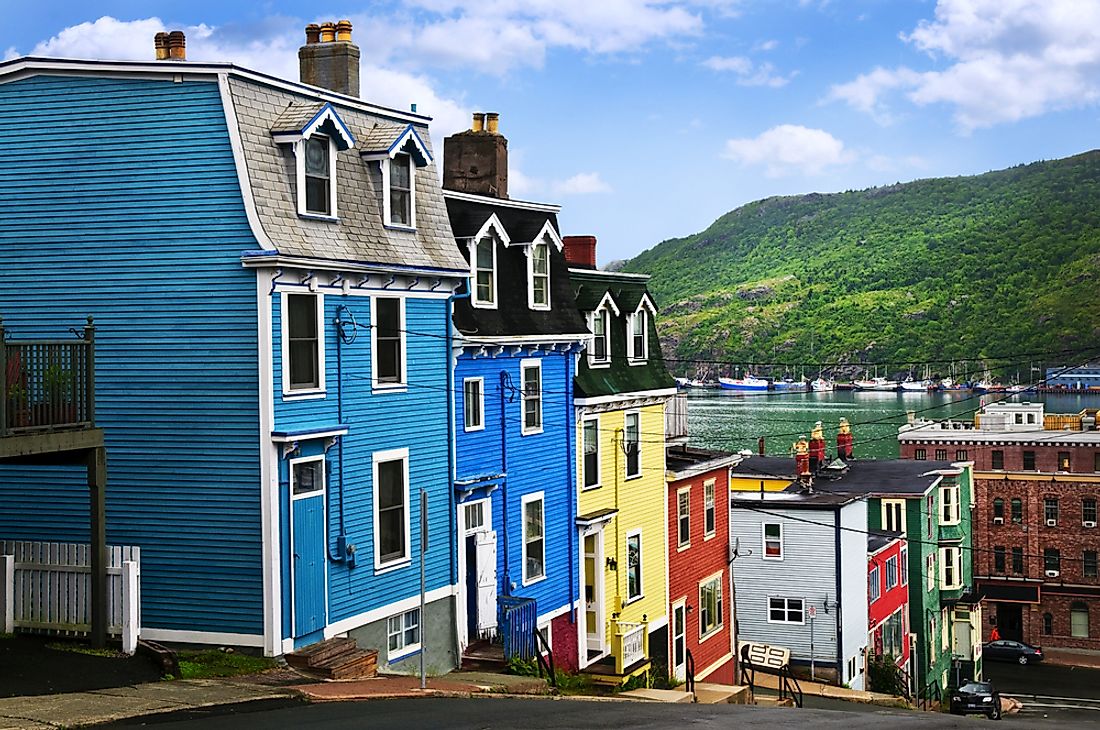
pixel 538 714
pixel 1050 692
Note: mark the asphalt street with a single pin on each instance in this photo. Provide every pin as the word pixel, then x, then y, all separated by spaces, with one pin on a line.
pixel 1051 693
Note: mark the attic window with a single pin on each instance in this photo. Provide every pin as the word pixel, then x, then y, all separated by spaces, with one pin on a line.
pixel 601 345
pixel 539 276
pixel 316 133
pixel 399 151
pixel 401 191
pixel 484 259
pixel 638 336
pixel 320 198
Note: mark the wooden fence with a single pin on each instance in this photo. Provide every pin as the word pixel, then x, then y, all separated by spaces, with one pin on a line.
pixel 46 586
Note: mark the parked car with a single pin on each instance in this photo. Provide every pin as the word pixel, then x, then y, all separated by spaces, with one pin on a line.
pixel 1012 651
pixel 976 698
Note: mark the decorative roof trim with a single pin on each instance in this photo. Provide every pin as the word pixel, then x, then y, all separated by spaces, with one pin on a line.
pixel 608 299
pixel 326 115
pixel 646 302
pixel 547 230
pixel 659 394
pixel 492 222
pixel 503 202
pixel 609 274
pixel 306 434
pixel 409 134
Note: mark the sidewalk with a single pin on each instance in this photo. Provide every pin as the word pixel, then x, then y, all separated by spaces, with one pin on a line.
pixel 455 684
pixel 771 681
pixel 1072 657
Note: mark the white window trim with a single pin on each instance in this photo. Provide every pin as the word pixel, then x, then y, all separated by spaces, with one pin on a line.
pixel 584 477
pixel 955 554
pixel 930 571
pixel 718 578
pixel 530 251
pixel 786 610
pixel 486 516
pixel 386 219
pixel 886 574
pixel 903 566
pixel 388 387
pixel 874 578
pixel 626 462
pixel 641 568
pixel 887 505
pixel 630 320
pixel 480 405
pixel 713 486
pixel 524 501
pixel 681 546
pixel 409 649
pixel 524 365
pixel 377 458
pixel 324 477
pixel 764 541
pixel 300 175
pixel 606 361
pixel 474 301
pixel 284 324
pixel 955 493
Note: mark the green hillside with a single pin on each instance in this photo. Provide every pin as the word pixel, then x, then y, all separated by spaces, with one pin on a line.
pixel 1005 262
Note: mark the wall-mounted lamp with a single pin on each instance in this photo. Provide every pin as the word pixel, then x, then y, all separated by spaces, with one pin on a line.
pixel 612 563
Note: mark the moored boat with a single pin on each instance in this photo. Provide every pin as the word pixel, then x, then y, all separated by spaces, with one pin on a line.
pixel 917 386
pixel 747 383
pixel 787 384
pixel 821 385
pixel 876 384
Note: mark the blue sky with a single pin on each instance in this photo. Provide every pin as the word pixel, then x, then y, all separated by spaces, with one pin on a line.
pixel 647 119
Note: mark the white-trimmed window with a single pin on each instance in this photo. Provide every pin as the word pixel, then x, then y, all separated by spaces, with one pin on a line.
pixel 786 611
pixel 950 511
pixel 891 572
pixel 601 337
pixel 710 605
pixel 538 273
pixel 632 444
pixel 391 508
pixel 634 565
pixel 316 168
pixel 303 343
pixel 484 260
pixel 474 515
pixel 930 571
pixel 709 510
pixel 950 568
pixel 893 515
pixel 388 342
pixel 590 441
pixel 874 585
pixel 473 404
pixel 534 537
pixel 683 517
pixel 307 476
pixel 773 541
pixel 638 345
pixel 401 192
pixel 904 565
pixel 531 373
pixel 945 625
pixel 404 634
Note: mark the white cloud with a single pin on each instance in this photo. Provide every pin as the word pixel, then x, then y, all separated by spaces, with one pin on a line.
pixel 789 149
pixel 583 183
pixel 768 45
pixel 1006 60
pixel 748 73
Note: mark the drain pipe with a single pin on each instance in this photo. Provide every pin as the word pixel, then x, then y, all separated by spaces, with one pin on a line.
pixel 504 482
pixel 452 449
pixel 571 485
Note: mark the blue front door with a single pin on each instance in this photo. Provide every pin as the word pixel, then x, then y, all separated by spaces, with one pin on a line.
pixel 308 546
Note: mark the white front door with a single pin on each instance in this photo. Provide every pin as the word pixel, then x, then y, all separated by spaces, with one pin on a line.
pixel 593 592
pixel 679 648
pixel 486 552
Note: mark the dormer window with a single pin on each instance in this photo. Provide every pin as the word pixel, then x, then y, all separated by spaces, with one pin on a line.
pixel 539 284
pixel 398 151
pixel 320 188
pixel 401 191
pixel 315 133
pixel 601 340
pixel 638 336
pixel 485 281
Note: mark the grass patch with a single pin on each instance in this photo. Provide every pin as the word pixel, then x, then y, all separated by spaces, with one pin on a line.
pixel 214 663
pixel 77 648
pixel 6 636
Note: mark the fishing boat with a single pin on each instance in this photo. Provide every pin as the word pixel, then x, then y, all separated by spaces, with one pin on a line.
pixel 747 383
pixel 821 385
pixel 949 384
pixel 876 384
pixel 916 386
pixel 988 386
pixel 792 386
pixel 682 383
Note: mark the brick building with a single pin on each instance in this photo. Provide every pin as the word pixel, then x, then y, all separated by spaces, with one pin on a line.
pixel 1037 487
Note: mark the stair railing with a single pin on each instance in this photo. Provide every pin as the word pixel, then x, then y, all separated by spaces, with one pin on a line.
pixel 789 686
pixel 748 675
pixel 545 663
pixel 690 669
pixel 929 694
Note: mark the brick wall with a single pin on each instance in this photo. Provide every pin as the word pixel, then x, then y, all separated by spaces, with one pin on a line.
pixel 1082 459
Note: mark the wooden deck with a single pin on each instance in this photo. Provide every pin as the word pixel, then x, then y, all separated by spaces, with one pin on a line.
pixel 603 671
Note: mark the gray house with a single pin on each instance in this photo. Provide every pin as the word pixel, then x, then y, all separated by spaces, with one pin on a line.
pixel 801 571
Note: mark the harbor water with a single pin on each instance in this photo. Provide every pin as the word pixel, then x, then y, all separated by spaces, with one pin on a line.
pixel 732 421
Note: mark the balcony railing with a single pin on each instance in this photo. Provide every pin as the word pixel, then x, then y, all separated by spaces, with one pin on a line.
pixel 47 385
pixel 676 417
pixel 629 644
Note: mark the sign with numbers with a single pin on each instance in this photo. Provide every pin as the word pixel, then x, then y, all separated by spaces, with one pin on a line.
pixel 764 655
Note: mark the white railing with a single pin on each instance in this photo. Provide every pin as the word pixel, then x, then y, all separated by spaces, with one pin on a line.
pixel 633 642
pixel 47 586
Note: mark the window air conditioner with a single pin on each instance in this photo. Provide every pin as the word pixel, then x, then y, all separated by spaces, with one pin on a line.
pixel 1052 574
pixel 998 520
pixel 1089 523
pixel 1052 523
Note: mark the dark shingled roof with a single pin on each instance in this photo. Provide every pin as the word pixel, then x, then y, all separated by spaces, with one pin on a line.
pixel 790 499
pixel 774 467
pixel 693 460
pixel 873 477
pixel 296 116
pixel 878 540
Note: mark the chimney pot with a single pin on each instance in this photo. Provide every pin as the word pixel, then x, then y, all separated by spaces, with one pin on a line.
pixel 313 33
pixel 160 44
pixel 580 251
pixel 343 31
pixel 475 162
pixel 328 32
pixel 177 46
pixel 478 124
pixel 492 122
pixel 327 64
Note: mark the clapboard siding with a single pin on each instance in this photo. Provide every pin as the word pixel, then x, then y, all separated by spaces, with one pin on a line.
pixel 536 463
pixel 415 419
pixel 119 198
pixel 853 588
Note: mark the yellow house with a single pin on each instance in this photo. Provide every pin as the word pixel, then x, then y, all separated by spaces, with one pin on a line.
pixel 620 393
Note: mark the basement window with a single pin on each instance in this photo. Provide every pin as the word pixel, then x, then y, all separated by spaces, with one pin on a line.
pixel 403 633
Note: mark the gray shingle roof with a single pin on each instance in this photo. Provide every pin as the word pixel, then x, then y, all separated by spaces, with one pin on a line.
pixel 296 116
pixel 379 137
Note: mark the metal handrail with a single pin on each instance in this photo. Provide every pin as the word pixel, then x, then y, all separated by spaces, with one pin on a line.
pixel 545 662
pixel 690 669
pixel 788 684
pixel 927 694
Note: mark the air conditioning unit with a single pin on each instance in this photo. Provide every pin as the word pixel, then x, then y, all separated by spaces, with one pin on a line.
pixel 1052 574
pixel 998 520
pixel 1088 523
pixel 1052 523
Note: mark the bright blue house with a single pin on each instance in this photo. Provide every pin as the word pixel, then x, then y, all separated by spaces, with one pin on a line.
pixel 271 269
pixel 518 332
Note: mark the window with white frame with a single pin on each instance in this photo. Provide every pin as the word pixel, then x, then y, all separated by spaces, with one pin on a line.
pixel 950 513
pixel 307 475
pixel 950 568
pixel 638 336
pixel 683 517
pixel 303 342
pixel 785 611
pixel 632 445
pixel 391 507
pixel 874 584
pixel 539 275
pixel 945 625
pixel 474 513
pixel 404 634
pixel 773 541
pixel 590 436
pixel 531 372
pixel 317 176
pixel 709 510
pixel 388 340
pixel 534 538
pixel 633 566
pixel 485 272
pixel 601 336
pixel 904 566
pixel 473 403
pixel 891 572
pixel 710 605
pixel 930 571
pixel 893 515
pixel 401 191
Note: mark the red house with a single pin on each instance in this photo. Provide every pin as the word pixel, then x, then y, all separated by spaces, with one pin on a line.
pixel 888 598
pixel 700 600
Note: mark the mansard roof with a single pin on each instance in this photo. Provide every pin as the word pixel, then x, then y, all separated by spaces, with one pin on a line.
pixel 299 121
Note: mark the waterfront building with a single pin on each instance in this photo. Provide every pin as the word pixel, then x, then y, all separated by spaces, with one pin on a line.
pixel 270 267
pixel 620 392
pixel 518 332
pixel 888 601
pixel 1082 377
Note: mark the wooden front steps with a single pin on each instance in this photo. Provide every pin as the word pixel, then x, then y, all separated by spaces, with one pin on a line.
pixel 483 656
pixel 336 659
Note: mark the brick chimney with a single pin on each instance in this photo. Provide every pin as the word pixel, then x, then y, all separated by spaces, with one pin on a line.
pixel 476 161
pixel 580 251
pixel 329 59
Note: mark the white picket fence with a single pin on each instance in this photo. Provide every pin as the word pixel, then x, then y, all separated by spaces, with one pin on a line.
pixel 46 586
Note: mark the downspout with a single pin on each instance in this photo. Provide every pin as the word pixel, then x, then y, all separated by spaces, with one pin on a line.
pixel 504 483
pixel 616 445
pixel 571 485
pixel 452 450
pixel 341 537
pixel 839 615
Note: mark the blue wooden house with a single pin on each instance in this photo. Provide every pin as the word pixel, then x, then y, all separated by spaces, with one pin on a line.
pixel 272 269
pixel 518 330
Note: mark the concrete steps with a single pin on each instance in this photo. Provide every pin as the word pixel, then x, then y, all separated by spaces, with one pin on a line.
pixel 645 694
pixel 709 693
